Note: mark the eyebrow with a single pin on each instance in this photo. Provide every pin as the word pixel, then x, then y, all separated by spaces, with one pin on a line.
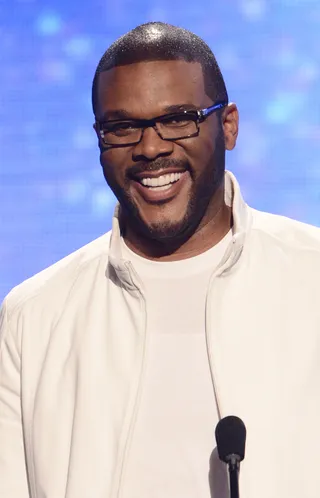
pixel 123 114
pixel 180 107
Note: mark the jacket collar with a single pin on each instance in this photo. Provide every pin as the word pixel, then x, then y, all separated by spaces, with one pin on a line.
pixel 241 225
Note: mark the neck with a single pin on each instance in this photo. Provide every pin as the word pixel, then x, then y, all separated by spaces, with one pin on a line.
pixel 212 229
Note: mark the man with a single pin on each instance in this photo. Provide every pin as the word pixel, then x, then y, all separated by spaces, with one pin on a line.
pixel 118 361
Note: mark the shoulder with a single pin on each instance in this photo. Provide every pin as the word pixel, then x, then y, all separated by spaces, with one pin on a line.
pixel 53 284
pixel 284 231
pixel 282 243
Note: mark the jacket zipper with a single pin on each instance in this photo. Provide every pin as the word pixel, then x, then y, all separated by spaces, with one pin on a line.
pixel 208 334
pixel 138 393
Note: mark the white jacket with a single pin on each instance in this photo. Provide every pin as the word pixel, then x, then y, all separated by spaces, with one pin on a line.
pixel 74 343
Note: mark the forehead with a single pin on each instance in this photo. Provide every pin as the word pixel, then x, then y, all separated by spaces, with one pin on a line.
pixel 145 88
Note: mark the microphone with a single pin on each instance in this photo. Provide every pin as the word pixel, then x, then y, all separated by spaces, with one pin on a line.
pixel 231 440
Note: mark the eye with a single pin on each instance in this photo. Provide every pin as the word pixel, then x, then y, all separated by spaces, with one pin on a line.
pixel 119 129
pixel 178 121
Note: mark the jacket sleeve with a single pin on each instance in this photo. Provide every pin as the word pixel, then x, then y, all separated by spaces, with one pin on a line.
pixel 13 476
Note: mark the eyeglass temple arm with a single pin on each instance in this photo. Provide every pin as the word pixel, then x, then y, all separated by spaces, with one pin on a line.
pixel 204 113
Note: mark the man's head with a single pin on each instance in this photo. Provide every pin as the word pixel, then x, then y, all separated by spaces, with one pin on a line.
pixel 154 70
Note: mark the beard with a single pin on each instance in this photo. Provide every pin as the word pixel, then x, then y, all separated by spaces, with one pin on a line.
pixel 204 188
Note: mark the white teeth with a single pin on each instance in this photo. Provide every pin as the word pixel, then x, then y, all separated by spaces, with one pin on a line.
pixel 162 180
pixel 154 182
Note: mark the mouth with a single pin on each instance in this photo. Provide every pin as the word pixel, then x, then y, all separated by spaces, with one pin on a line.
pixel 160 188
pixel 162 182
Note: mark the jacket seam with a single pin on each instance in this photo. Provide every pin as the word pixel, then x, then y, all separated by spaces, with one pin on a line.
pixel 8 333
pixel 6 324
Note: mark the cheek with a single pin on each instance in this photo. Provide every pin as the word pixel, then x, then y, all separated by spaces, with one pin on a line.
pixel 210 143
pixel 113 166
pixel 207 141
pixel 199 153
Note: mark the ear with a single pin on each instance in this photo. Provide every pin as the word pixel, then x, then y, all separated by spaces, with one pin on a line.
pixel 230 123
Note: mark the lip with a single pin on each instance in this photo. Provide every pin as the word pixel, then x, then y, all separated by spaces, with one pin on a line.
pixel 150 195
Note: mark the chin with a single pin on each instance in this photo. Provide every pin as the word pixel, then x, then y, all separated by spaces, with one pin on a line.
pixel 165 229
pixel 163 224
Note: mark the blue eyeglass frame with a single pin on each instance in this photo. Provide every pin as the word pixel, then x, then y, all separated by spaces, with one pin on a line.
pixel 199 116
pixel 204 113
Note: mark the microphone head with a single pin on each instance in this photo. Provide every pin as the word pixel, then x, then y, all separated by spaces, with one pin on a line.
pixel 231 438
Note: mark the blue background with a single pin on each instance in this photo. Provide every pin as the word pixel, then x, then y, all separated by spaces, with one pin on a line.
pixel 53 198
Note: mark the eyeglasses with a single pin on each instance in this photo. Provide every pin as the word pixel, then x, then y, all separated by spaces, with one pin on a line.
pixel 175 126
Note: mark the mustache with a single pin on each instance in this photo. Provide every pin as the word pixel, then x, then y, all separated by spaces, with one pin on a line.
pixel 157 165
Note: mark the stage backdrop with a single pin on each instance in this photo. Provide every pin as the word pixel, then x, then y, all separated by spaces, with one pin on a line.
pixel 53 198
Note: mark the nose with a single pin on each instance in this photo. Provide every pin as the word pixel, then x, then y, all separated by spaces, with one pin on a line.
pixel 151 146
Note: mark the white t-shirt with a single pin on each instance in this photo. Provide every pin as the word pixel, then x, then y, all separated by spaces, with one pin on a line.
pixel 174 431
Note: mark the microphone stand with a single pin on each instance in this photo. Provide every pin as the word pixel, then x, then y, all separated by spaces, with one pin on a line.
pixel 234 468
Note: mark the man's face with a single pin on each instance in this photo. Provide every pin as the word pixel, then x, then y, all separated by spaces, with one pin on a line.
pixel 142 91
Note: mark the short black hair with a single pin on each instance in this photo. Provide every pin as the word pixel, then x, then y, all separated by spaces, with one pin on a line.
pixel 161 41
